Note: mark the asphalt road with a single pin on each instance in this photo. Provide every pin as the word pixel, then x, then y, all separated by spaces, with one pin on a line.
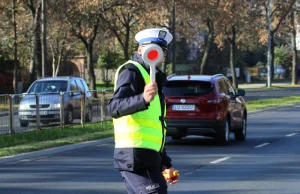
pixel 267 162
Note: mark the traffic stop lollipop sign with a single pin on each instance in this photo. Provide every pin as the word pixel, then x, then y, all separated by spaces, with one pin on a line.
pixel 152 55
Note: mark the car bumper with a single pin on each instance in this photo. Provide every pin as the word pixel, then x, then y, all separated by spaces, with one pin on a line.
pixel 44 116
pixel 193 127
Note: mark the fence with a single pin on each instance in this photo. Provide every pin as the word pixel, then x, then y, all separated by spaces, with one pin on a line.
pixel 21 113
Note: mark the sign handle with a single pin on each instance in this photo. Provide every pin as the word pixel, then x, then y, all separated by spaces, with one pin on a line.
pixel 152 73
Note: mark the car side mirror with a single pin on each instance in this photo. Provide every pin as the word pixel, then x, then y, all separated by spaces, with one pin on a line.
pixel 241 92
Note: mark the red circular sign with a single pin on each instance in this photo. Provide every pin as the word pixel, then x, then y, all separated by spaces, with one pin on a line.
pixel 152 55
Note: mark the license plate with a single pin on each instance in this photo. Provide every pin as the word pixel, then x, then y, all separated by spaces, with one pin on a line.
pixel 41 113
pixel 183 107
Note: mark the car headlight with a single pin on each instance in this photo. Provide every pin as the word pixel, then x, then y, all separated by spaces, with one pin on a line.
pixel 57 105
pixel 23 106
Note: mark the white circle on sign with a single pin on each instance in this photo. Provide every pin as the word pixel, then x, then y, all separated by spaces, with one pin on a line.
pixel 152 54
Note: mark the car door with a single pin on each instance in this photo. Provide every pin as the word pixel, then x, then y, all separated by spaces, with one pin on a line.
pixel 224 91
pixel 75 97
pixel 235 103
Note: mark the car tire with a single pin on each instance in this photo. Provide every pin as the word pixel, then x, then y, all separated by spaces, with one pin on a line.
pixel 69 116
pixel 89 114
pixel 24 123
pixel 240 134
pixel 223 136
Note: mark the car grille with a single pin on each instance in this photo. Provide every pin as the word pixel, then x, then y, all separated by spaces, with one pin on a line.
pixel 40 106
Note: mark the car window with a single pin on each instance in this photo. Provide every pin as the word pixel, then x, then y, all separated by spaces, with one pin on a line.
pixel 230 88
pixel 222 87
pixel 84 84
pixel 74 86
pixel 48 86
pixel 187 88
pixel 80 86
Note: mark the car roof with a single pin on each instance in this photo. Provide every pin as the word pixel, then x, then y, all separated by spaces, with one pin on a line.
pixel 174 77
pixel 61 78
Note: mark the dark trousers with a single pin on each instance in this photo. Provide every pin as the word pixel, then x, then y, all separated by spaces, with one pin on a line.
pixel 145 182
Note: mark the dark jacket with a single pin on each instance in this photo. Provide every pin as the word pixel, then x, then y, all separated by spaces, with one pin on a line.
pixel 128 99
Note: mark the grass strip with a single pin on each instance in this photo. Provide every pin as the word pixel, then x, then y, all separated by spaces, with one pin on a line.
pixel 37 140
pixel 253 105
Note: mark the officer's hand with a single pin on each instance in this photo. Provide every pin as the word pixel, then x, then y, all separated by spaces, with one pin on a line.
pixel 150 90
pixel 169 176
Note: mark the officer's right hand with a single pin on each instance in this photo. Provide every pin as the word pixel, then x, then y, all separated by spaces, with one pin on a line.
pixel 150 90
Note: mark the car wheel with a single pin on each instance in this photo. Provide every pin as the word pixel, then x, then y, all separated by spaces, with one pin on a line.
pixel 240 134
pixel 24 123
pixel 89 114
pixel 69 116
pixel 223 136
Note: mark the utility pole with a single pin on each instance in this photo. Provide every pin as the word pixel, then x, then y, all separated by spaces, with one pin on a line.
pixel 174 37
pixel 269 83
pixel 44 36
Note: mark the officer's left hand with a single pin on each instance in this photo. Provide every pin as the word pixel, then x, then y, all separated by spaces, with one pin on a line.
pixel 169 174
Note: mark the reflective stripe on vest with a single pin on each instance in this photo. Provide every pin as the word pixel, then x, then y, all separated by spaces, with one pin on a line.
pixel 144 128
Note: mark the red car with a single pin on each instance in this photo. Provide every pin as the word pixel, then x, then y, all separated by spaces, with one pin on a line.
pixel 206 106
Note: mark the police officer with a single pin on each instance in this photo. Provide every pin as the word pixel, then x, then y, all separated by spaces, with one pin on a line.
pixel 138 108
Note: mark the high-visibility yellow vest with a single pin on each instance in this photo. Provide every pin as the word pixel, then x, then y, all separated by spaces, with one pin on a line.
pixel 144 128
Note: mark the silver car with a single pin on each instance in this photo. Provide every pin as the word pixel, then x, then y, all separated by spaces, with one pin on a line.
pixel 50 92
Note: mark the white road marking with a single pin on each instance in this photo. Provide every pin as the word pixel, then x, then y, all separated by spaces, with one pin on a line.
pixel 262 145
pixel 292 134
pixel 220 160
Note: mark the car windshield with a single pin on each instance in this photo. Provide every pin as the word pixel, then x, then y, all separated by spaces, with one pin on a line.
pixel 48 87
pixel 187 88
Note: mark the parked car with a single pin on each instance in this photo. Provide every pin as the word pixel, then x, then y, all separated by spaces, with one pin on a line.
pixel 206 106
pixel 48 91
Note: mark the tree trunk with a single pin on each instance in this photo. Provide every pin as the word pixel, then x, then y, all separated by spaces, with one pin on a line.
pixel 35 48
pixel 126 45
pixel 232 57
pixel 208 45
pixel 272 55
pixel 58 62
pixel 90 65
pixel 294 61
pixel 16 65
pixel 53 60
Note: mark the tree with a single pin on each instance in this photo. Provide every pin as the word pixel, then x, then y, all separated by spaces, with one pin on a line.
pixel 202 15
pixel 109 60
pixel 294 48
pixel 59 39
pixel 120 20
pixel 233 29
pixel 84 19
pixel 34 7
pixel 275 14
